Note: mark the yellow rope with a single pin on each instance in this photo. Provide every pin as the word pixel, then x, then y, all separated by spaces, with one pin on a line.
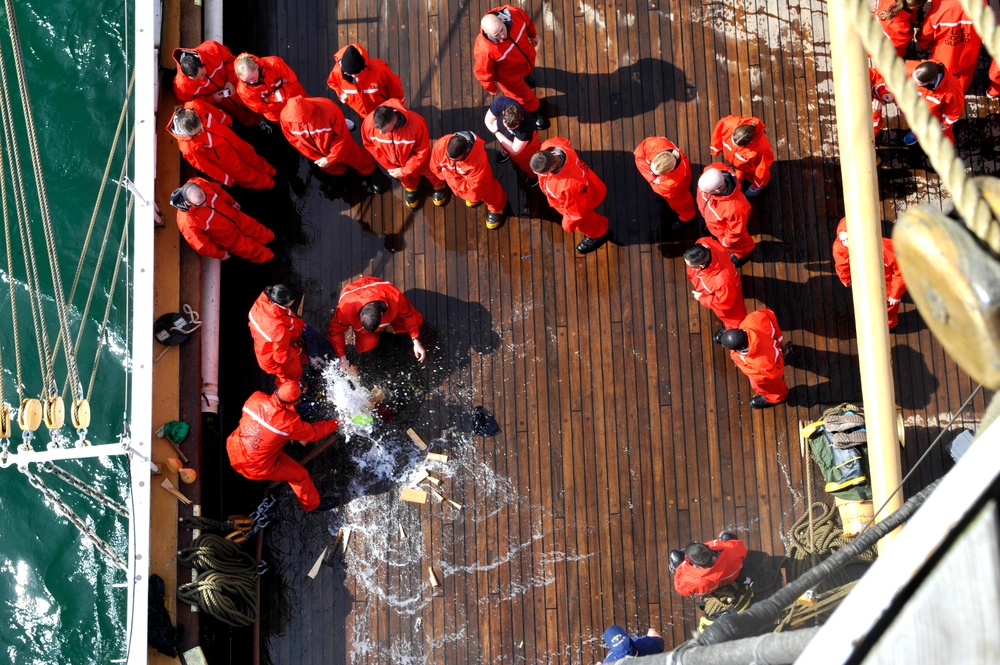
pixel 940 151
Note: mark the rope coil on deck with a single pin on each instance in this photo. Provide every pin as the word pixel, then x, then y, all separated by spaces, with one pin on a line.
pixel 212 552
pixel 232 599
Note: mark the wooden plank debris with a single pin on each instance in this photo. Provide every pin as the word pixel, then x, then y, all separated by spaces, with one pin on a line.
pixel 437 495
pixel 347 538
pixel 169 486
pixel 432 577
pixel 412 495
pixel 314 571
pixel 402 534
pixel 416 439
pixel 432 479
pixel 437 457
pixel 455 503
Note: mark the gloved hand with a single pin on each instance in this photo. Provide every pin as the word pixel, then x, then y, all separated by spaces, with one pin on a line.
pixel 264 126
pixel 893 302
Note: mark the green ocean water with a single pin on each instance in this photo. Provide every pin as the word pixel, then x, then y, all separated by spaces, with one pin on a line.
pixel 55 588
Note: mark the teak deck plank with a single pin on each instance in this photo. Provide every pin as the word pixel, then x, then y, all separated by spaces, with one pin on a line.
pixel 626 431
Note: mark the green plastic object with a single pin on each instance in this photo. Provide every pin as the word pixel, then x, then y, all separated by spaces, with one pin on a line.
pixel 176 431
pixel 362 419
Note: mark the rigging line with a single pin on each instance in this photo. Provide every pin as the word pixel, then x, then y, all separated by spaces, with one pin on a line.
pixel 965 193
pixel 10 277
pixel 100 262
pixel 43 200
pixel 102 335
pixel 916 464
pixel 21 206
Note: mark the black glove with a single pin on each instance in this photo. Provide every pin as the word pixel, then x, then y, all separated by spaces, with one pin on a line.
pixel 264 126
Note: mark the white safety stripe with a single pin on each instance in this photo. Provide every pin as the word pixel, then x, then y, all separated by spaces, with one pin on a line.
pixel 310 132
pixel 259 329
pixel 950 25
pixel 211 205
pixel 208 79
pixel 704 287
pixel 777 342
pixel 264 424
pixel 513 43
pixel 345 293
pixel 392 141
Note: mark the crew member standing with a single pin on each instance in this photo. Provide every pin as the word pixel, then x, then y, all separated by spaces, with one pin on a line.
pixel 898 19
pixel 460 160
pixel 514 129
pixel 268 423
pixel 266 84
pixel 742 142
pixel 574 190
pixel 504 56
pixel 206 72
pixel 316 127
pixel 941 92
pixel 755 347
pixel 398 139
pixel 895 287
pixel 210 146
pixel 726 211
pixel 370 305
pixel 278 334
pixel 668 172
pixel 947 31
pixel 717 284
pixel 363 82
pixel 213 224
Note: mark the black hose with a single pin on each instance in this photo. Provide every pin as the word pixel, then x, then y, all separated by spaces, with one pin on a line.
pixel 761 616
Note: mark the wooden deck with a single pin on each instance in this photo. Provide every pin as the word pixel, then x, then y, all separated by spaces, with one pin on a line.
pixel 626 432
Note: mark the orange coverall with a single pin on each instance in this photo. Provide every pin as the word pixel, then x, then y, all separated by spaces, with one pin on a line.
pixel 751 161
pixel 718 286
pixel 472 178
pixel 690 580
pixel 947 31
pixel 899 28
pixel 401 314
pixel 220 153
pixel 217 227
pixel 406 147
pixel 574 191
pixel 375 85
pixel 895 286
pixel 255 447
pixel 946 102
pixel 674 187
pixel 277 343
pixel 315 126
pixel 506 63
pixel 727 216
pixel 218 62
pixel 763 362
pixel 276 84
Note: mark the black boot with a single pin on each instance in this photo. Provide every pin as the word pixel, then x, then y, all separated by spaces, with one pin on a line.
pixel 530 80
pixel 588 244
pixel 541 122
pixel 758 402
pixel 375 182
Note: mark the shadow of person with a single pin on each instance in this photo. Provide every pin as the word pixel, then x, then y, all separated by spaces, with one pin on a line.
pixel 820 305
pixel 631 90
pixel 915 383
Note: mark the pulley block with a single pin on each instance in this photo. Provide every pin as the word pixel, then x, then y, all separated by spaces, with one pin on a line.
pixel 955 283
pixel 29 414
pixel 4 421
pixel 55 412
pixel 79 413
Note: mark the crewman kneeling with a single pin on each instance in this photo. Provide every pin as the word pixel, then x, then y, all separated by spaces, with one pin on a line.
pixel 705 568
pixel 268 423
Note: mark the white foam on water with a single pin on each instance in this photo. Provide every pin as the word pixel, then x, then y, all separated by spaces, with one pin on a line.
pixel 352 400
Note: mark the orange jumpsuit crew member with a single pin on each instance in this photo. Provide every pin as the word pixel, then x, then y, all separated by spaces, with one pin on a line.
pixel 460 160
pixel 940 91
pixel 898 20
pixel 895 287
pixel 726 211
pixel 213 224
pixel 277 334
pixel 515 131
pixel 947 31
pixel 742 142
pixel 268 423
pixel 206 72
pixel 717 284
pixel 668 172
pixel 316 127
pixel 574 190
pixel 703 568
pixel 266 84
pixel 368 305
pixel 755 347
pixel 363 82
pixel 209 145
pixel 398 139
pixel 504 55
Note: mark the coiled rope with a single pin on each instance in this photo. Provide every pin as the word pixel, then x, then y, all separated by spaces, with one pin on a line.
pixel 232 599
pixel 212 552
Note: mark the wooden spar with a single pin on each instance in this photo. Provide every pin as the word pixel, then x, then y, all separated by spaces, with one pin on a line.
pixel 852 93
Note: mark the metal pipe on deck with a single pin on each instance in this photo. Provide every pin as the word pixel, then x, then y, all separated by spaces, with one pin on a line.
pixel 852 93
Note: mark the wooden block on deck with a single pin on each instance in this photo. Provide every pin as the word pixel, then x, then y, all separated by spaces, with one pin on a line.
pixel 416 439
pixel 412 495
pixel 437 457
pixel 432 577
pixel 314 571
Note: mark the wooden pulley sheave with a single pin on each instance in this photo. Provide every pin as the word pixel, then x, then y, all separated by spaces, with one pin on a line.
pixel 79 414
pixel 29 414
pixel 4 421
pixel 55 412
pixel 955 282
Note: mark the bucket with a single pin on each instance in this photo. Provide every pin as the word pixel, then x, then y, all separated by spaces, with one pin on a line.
pixel 854 515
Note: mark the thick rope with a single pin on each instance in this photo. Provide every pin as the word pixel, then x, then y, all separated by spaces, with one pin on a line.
pixel 985 24
pixel 965 193
pixel 232 599
pixel 212 552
